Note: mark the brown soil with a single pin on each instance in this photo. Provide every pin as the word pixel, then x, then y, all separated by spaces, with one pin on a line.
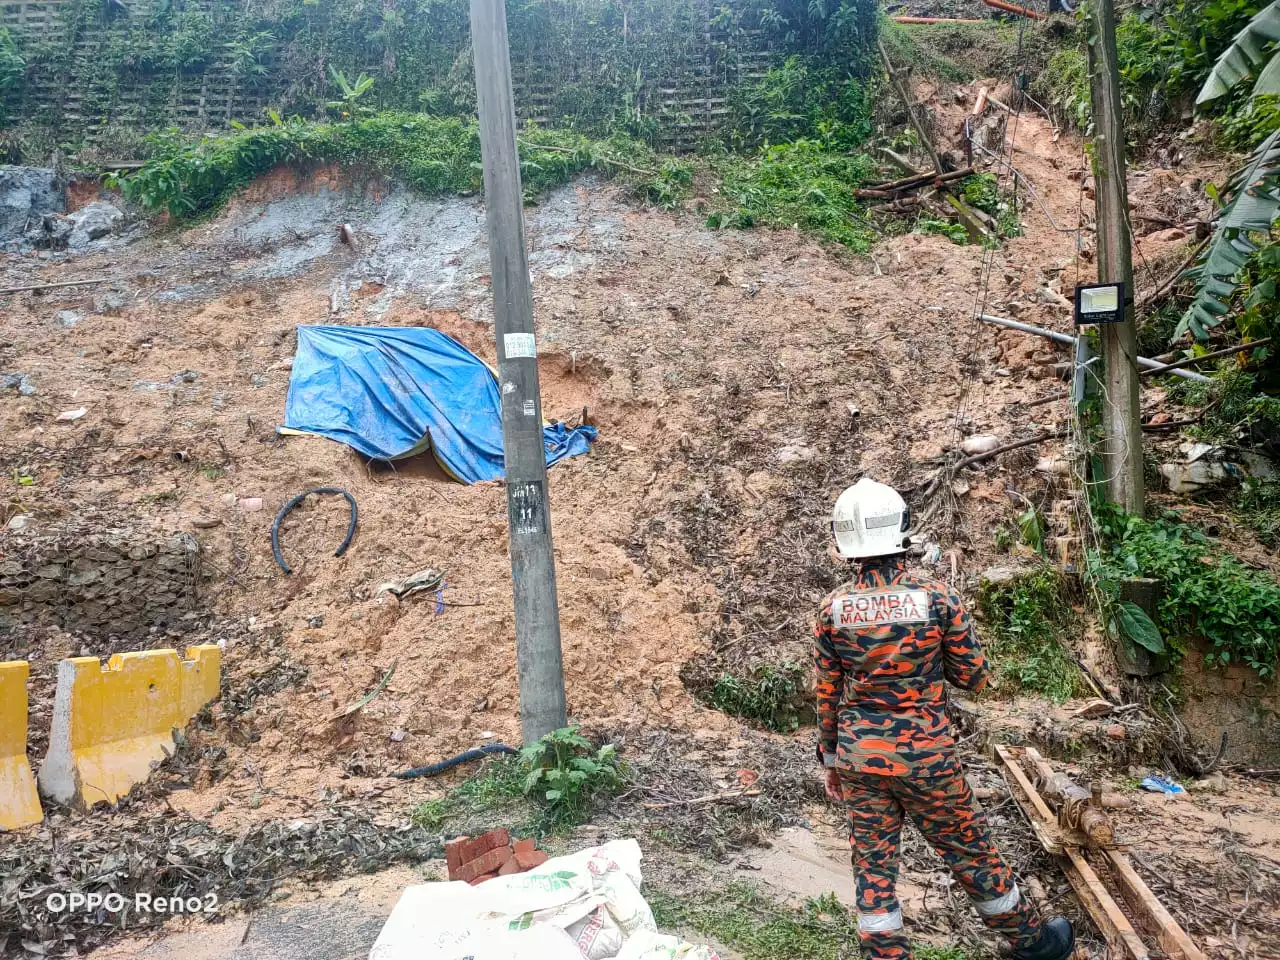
pixel 721 369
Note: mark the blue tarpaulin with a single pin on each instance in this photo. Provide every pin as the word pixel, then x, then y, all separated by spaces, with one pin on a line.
pixel 391 392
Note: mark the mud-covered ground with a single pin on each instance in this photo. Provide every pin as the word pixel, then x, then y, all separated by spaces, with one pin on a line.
pixel 739 381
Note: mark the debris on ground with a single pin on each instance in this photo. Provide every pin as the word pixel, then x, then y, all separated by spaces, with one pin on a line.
pixel 587 904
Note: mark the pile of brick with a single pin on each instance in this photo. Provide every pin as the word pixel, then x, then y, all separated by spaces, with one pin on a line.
pixel 492 854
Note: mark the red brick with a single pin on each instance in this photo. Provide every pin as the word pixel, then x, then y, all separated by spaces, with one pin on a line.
pixel 524 846
pixel 530 860
pixel 494 839
pixel 453 851
pixel 489 862
pixel 482 879
pixel 510 867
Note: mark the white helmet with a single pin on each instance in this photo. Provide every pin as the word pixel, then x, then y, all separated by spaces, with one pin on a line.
pixel 869 520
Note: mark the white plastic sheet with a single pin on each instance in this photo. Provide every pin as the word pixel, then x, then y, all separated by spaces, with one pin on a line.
pixel 586 906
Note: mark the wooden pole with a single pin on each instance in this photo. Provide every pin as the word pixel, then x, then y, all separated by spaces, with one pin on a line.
pixel 1122 452
pixel 539 660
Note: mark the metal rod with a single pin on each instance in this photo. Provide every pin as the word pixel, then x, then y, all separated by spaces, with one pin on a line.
pixel 1066 338
pixel 539 659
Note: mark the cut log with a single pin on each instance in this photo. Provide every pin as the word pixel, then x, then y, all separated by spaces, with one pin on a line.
pixel 1077 807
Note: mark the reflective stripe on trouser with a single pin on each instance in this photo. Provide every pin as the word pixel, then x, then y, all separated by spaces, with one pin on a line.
pixel 943 809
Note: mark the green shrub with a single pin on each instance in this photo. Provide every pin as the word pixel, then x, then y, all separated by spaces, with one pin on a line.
pixel 775 695
pixel 566 772
pixel 806 184
pixel 1164 57
pixel 801 99
pixel 1204 591
pixel 1024 622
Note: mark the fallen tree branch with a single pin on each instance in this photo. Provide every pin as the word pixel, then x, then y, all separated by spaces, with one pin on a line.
pixel 889 190
pixel 934 20
pixel 1148 298
pixel 59 283
pixel 1188 361
pixel 1013 8
pixel 1006 447
pixel 709 798
pixel 901 162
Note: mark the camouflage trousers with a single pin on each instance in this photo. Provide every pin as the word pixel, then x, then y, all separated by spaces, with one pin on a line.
pixel 942 807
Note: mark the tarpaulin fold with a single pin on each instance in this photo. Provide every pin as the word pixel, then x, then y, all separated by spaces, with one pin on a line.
pixel 392 392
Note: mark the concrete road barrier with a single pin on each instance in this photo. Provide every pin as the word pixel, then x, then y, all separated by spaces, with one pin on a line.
pixel 19 804
pixel 112 723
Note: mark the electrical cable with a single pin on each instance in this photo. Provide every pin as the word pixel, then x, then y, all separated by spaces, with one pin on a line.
pixel 284 511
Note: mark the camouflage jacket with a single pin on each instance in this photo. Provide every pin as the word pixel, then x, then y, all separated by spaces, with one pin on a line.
pixel 883 644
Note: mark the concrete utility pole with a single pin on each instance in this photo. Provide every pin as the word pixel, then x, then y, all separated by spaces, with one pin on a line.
pixel 1121 425
pixel 533 573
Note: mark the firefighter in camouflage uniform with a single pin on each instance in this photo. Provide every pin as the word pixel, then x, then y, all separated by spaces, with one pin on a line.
pixel 885 642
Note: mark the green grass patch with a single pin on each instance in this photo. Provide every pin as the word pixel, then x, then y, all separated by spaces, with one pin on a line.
pixel 497 788
pixel 806 184
pixel 552 785
pixel 775 695
pixel 740 917
pixel 1025 621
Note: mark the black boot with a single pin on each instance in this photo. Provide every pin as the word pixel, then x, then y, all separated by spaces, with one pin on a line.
pixel 1056 941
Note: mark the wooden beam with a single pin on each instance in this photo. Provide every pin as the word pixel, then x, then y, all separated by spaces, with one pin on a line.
pixel 1171 937
pixel 1115 926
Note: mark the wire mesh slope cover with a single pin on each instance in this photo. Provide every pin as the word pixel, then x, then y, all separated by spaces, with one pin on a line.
pixel 392 392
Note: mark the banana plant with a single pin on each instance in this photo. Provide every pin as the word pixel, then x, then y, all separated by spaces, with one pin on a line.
pixel 1254 190
pixel 1254 206
pixel 1247 52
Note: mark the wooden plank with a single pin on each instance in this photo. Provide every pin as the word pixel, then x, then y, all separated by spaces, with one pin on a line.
pixel 1171 937
pixel 1009 759
pixel 1103 908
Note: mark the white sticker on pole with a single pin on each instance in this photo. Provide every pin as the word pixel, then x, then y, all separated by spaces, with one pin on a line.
pixel 519 345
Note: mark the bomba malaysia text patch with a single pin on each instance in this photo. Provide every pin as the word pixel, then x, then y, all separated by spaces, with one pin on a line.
pixel 879 609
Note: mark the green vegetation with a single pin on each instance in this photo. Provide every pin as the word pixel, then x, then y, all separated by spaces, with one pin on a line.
pixel 1165 54
pixel 498 788
pixel 774 695
pixel 742 918
pixel 433 155
pixel 1259 506
pixel 805 184
pixel 1025 621
pixel 1204 593
pixel 963 52
pixel 566 772
pixel 802 100
pixel 604 62
pixel 1235 411
pixel 552 785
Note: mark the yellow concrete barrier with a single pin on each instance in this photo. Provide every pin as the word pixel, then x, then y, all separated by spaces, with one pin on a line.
pixel 19 805
pixel 111 723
